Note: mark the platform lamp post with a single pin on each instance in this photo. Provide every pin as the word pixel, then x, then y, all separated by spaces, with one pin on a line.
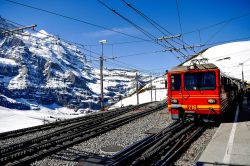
pixel 242 75
pixel 102 42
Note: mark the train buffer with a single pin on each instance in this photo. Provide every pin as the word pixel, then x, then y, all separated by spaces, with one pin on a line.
pixel 231 143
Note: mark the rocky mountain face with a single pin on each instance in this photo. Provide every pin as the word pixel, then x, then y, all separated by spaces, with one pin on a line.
pixel 40 68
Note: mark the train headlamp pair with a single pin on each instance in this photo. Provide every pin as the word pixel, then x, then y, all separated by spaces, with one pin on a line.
pixel 211 101
pixel 174 101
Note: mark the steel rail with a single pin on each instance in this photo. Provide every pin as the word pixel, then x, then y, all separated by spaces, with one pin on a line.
pixel 48 147
pixel 8 150
pixel 177 150
pixel 19 132
pixel 165 145
pixel 129 154
pixel 157 149
pixel 14 148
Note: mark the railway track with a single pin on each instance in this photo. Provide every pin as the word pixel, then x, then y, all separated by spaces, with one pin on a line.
pixel 37 148
pixel 20 132
pixel 161 148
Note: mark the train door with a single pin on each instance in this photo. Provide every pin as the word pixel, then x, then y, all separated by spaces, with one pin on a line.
pixel 175 94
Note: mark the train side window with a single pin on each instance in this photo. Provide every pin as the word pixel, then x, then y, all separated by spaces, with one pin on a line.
pixel 191 81
pixel 176 82
pixel 208 81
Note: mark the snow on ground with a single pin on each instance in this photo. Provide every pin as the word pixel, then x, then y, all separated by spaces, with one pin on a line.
pixel 11 119
pixel 228 58
pixel 144 97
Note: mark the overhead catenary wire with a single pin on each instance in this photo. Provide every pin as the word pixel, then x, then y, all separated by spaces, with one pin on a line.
pixel 179 17
pixel 74 19
pixel 85 22
pixel 90 51
pixel 199 30
pixel 208 43
pixel 159 27
pixel 218 23
pixel 146 33
pixel 124 65
pixel 138 27
pixel 102 27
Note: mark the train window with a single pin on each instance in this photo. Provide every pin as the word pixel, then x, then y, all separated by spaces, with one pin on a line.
pixel 190 81
pixel 175 82
pixel 208 81
pixel 199 81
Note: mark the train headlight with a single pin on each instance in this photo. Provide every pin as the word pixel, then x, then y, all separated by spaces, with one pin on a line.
pixel 174 101
pixel 211 101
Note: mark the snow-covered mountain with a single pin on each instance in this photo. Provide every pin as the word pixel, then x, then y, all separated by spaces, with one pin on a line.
pixel 39 68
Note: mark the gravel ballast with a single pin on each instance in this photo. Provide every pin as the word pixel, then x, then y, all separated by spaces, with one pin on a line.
pixel 25 137
pixel 122 136
pixel 192 154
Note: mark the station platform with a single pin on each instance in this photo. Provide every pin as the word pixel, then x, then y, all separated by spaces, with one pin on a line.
pixel 231 143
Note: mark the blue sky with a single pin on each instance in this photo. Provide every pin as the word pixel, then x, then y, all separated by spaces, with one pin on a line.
pixel 194 14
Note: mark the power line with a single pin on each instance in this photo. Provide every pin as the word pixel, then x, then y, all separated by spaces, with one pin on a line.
pixel 138 27
pixel 217 32
pixel 142 53
pixel 151 21
pixel 218 23
pixel 82 47
pixel 201 29
pixel 146 33
pixel 102 27
pixel 157 26
pixel 179 18
pixel 74 19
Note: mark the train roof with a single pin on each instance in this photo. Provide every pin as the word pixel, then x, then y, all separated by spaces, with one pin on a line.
pixel 198 67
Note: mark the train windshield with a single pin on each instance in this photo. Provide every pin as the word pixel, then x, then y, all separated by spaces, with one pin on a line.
pixel 199 81
pixel 176 82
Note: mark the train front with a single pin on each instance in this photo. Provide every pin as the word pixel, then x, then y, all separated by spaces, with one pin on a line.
pixel 193 91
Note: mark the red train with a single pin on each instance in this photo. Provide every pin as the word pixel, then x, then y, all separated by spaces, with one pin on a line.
pixel 199 91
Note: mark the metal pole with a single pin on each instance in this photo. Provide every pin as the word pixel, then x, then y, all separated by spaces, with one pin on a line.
pixel 151 88
pixel 137 94
pixel 243 76
pixel 101 78
pixel 121 100
pixel 155 93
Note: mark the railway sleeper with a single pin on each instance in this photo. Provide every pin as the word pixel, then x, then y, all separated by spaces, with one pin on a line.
pixel 61 140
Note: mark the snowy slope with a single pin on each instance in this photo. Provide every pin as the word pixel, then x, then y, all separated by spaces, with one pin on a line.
pixel 29 118
pixel 159 92
pixel 228 57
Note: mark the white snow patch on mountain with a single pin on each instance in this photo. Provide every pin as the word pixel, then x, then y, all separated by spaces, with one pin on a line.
pixel 5 61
